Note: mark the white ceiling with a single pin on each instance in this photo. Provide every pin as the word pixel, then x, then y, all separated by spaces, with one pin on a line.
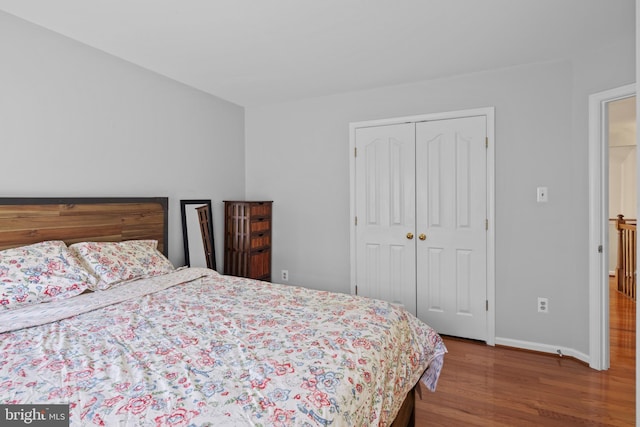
pixel 254 52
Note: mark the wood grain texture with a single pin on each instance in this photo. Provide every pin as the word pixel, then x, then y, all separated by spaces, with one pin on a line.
pixel 247 239
pixel 500 386
pixel 29 220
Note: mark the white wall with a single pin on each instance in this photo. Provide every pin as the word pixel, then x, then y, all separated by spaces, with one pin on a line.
pixel 297 156
pixel 629 172
pixel 75 121
pixel 622 173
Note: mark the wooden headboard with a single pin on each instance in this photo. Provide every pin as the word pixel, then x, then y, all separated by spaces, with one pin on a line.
pixel 29 220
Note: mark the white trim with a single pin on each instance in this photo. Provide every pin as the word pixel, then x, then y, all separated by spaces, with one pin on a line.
pixel 543 348
pixel 491 235
pixel 598 225
pixel 489 113
pixel 352 207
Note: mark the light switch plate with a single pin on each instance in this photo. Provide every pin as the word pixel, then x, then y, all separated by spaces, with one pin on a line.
pixel 543 195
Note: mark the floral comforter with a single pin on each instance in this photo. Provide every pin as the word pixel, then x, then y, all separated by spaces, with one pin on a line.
pixel 217 350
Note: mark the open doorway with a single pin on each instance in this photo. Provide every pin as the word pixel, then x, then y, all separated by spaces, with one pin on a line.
pixel 606 117
pixel 621 133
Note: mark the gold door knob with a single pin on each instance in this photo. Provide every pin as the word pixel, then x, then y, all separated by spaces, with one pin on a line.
pixel 409 236
pixel 422 236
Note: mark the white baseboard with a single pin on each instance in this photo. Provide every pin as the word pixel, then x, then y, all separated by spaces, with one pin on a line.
pixel 544 348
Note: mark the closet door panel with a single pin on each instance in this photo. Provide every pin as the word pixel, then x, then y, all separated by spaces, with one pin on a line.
pixel 385 206
pixel 434 302
pixel 450 214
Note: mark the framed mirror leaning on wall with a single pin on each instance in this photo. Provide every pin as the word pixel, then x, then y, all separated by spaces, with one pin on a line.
pixel 197 233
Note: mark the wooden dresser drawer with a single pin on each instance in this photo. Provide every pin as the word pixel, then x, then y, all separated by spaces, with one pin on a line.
pixel 260 208
pixel 261 264
pixel 261 224
pixel 261 240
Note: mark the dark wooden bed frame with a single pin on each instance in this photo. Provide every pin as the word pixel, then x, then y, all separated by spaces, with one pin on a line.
pixel 25 221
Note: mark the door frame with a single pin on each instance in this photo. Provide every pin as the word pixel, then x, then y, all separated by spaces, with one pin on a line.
pixel 489 113
pixel 599 223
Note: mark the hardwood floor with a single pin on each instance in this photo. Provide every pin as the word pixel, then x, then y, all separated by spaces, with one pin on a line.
pixel 500 386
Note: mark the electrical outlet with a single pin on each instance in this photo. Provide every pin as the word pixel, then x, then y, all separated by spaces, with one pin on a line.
pixel 543 305
pixel 285 275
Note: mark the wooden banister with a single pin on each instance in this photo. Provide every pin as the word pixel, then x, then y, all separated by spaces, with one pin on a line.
pixel 626 266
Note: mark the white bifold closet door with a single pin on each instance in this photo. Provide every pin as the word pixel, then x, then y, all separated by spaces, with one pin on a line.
pixel 421 195
pixel 385 200
pixel 451 212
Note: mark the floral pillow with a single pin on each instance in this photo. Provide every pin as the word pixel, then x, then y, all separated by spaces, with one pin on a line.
pixel 41 272
pixel 116 262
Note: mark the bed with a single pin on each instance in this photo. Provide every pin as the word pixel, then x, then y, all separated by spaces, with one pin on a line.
pixel 140 342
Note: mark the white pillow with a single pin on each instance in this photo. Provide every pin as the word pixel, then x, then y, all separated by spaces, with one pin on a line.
pixel 40 272
pixel 116 262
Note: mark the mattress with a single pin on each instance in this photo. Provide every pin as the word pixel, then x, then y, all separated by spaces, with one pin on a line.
pixel 193 347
